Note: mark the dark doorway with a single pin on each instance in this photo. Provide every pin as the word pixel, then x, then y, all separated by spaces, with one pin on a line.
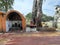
pixel 15 22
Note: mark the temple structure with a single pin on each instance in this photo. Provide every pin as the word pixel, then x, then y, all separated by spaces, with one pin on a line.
pixel 57 17
pixel 12 20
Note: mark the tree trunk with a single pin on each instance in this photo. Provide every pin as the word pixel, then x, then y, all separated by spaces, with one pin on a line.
pixel 6 6
pixel 34 11
pixel 39 14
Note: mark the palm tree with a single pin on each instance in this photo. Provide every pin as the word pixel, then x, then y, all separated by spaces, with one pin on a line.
pixel 5 5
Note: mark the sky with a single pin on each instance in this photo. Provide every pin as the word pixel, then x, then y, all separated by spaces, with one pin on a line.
pixel 25 6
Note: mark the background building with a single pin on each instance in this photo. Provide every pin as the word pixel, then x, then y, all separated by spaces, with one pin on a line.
pixel 57 17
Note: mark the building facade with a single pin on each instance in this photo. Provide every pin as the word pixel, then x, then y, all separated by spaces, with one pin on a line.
pixel 57 17
pixel 12 20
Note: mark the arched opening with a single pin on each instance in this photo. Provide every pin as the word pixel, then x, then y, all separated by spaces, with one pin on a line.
pixel 13 22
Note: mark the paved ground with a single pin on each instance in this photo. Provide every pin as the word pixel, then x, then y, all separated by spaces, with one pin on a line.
pixel 35 38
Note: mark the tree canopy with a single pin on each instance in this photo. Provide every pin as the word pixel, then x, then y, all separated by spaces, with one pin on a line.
pixel 44 17
pixel 47 18
pixel 29 16
pixel 5 5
